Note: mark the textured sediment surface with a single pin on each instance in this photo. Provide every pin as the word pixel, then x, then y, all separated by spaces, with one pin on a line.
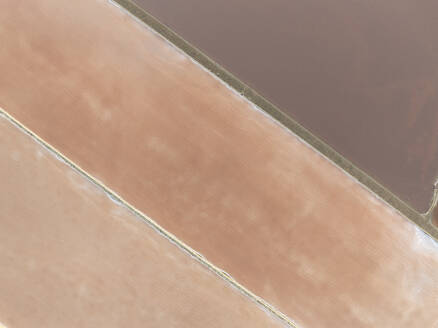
pixel 198 159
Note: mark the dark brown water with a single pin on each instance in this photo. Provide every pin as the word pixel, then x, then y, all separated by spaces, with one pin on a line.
pixel 362 75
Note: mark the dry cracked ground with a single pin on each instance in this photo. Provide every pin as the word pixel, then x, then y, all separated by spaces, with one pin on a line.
pixel 138 190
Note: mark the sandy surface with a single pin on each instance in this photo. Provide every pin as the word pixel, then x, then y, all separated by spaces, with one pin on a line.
pixel 71 257
pixel 362 75
pixel 199 160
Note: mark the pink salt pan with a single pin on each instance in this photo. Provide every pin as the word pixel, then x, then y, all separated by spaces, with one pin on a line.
pixel 184 149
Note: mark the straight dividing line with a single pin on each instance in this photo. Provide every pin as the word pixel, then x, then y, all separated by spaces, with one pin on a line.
pixel 421 220
pixel 381 192
pixel 169 236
